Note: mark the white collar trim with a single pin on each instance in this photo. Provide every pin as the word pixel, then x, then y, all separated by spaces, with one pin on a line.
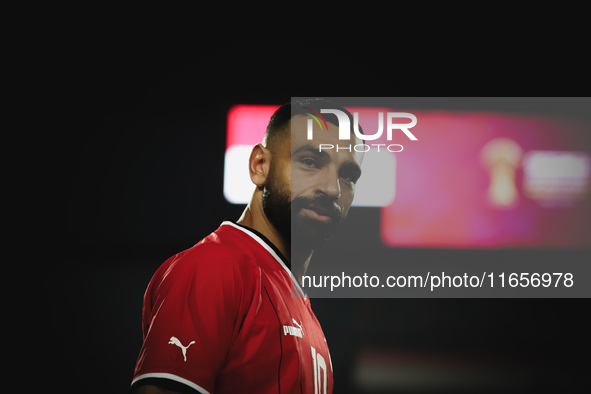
pixel 270 250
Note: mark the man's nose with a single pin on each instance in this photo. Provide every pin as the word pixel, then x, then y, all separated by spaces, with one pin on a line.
pixel 330 186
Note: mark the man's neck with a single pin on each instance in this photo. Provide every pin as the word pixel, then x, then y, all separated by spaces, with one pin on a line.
pixel 254 217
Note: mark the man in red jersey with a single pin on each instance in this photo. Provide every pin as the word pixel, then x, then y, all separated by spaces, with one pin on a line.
pixel 228 314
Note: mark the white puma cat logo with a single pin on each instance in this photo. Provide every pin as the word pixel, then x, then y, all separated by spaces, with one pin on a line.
pixel 296 323
pixel 175 341
pixel 295 331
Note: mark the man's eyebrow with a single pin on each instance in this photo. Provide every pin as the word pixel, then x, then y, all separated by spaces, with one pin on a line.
pixel 349 166
pixel 312 149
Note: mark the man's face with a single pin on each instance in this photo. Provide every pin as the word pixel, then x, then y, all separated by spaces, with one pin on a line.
pixel 322 184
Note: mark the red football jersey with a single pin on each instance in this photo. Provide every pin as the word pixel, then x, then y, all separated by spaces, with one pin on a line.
pixel 220 318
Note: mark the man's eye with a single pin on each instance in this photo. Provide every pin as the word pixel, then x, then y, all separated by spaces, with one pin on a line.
pixel 309 162
pixel 350 175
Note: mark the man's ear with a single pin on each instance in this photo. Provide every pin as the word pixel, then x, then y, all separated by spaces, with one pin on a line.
pixel 258 165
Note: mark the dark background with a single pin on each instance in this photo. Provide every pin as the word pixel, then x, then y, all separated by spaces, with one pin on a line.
pixel 137 143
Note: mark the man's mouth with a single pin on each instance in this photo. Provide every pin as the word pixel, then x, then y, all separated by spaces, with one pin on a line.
pixel 321 213
pixel 312 214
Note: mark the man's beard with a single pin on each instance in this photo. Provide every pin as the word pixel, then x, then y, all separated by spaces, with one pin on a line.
pixel 286 215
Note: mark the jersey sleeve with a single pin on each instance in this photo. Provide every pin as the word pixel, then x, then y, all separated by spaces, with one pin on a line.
pixel 193 309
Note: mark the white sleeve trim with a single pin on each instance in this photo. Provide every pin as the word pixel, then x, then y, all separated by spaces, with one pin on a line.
pixel 170 376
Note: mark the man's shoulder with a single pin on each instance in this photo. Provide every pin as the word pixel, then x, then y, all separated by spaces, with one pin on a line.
pixel 224 250
pixel 225 243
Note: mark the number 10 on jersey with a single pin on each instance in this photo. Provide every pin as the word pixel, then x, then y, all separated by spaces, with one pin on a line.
pixel 320 374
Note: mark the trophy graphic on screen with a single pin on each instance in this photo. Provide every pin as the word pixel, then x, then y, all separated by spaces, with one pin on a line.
pixel 502 157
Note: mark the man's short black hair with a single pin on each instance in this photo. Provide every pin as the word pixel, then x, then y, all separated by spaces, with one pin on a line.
pixel 279 122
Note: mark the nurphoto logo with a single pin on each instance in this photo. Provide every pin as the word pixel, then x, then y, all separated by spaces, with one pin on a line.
pixel 345 127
